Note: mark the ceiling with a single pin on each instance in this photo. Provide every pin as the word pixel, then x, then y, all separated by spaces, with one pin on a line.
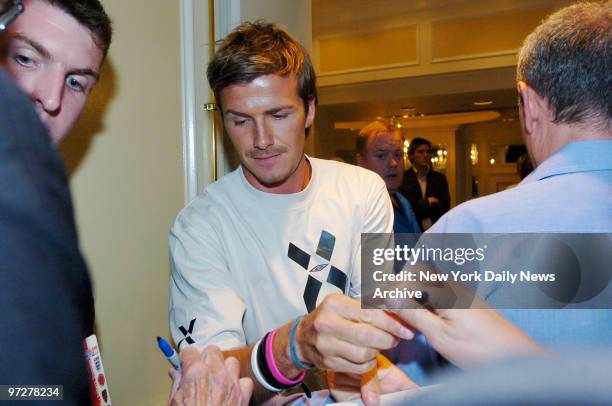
pixel 433 94
pixel 331 17
pixel 502 100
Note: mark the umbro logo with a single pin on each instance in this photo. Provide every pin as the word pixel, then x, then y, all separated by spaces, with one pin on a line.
pixel 318 268
pixel 186 332
pixel 325 249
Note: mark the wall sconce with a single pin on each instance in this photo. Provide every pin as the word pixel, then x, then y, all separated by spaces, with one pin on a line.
pixel 439 157
pixel 474 154
pixel 406 160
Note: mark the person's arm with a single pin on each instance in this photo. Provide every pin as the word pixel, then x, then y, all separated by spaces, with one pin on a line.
pixel 205 306
pixel 338 335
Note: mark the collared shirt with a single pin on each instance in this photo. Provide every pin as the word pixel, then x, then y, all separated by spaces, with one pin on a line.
pixel 422 178
pixel 570 192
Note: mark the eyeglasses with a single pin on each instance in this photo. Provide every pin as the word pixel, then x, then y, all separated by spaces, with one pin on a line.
pixel 9 10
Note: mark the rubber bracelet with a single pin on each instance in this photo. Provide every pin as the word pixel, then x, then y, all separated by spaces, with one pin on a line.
pixel 293 351
pixel 264 369
pixel 272 365
pixel 257 372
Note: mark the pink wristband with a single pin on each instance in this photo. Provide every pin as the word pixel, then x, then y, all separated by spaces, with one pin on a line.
pixel 272 365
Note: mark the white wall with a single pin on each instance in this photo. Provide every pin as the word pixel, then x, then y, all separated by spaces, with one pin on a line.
pixel 127 183
pixel 296 15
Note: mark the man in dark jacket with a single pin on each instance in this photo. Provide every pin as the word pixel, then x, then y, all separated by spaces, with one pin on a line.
pixel 426 189
pixel 45 291
pixel 54 51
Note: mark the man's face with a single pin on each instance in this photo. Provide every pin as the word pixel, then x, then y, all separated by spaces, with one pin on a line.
pixel 385 156
pixel 55 60
pixel 420 158
pixel 266 122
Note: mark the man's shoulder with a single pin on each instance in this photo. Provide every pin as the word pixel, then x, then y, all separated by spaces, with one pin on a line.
pixel 555 204
pixel 347 182
pixel 409 173
pixel 483 214
pixel 435 175
pixel 212 200
pixel 334 171
pixel 331 165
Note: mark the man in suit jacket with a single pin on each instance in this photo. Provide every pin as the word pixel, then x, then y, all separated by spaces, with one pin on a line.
pixel 426 189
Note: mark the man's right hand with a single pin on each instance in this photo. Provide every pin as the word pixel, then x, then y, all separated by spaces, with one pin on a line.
pixel 470 337
pixel 340 336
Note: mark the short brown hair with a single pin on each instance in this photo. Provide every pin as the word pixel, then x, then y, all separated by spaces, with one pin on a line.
pixel 370 130
pixel 255 49
pixel 91 15
pixel 415 143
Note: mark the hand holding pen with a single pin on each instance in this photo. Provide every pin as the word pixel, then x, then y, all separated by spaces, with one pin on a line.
pixel 205 378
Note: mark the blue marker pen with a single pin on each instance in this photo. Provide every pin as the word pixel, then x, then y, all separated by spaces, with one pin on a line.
pixel 169 352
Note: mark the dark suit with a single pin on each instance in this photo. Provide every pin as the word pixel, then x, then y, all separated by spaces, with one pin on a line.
pixel 46 305
pixel 437 186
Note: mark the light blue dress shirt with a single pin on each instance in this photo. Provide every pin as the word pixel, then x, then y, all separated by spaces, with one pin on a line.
pixel 570 192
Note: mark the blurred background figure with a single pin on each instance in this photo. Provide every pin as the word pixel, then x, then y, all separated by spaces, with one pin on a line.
pixel 524 166
pixel 426 189
pixel 380 149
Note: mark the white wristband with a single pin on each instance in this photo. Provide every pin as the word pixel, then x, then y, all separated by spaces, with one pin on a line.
pixel 257 372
